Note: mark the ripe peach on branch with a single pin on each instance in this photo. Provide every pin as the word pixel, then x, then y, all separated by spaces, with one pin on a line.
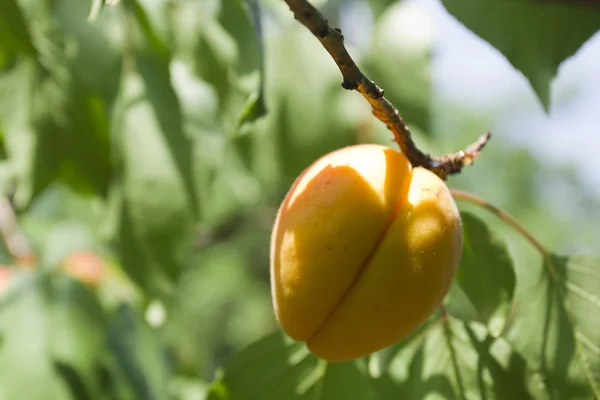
pixel 363 251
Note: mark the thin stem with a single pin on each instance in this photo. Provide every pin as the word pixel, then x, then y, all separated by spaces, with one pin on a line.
pixel 332 40
pixel 503 215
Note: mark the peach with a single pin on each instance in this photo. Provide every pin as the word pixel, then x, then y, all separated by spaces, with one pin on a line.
pixel 363 250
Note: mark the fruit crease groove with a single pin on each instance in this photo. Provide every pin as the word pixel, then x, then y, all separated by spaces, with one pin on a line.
pixel 367 260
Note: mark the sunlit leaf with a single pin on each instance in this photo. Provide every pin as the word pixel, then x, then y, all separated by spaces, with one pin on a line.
pixel 535 36
pixel 277 368
pixel 486 274
pixel 557 324
pixel 455 360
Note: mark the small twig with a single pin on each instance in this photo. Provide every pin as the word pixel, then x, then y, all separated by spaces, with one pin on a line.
pixel 503 215
pixel 333 41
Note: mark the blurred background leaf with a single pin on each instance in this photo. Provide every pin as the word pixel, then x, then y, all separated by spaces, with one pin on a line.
pixel 141 368
pixel 53 333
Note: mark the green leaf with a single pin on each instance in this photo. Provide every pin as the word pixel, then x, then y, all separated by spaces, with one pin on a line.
pixel 53 335
pixel 78 335
pixel 255 106
pixel 159 48
pixel 141 358
pixel 455 360
pixel 96 64
pixel 535 36
pixel 277 368
pixel 230 56
pixel 31 141
pixel 57 121
pixel 557 324
pixel 88 164
pixel 14 34
pixel 160 203
pixel 241 19
pixel 486 274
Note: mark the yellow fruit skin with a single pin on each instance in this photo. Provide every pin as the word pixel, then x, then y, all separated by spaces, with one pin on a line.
pixel 363 250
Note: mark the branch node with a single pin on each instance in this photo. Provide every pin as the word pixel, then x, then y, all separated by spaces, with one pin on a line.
pixel 349 85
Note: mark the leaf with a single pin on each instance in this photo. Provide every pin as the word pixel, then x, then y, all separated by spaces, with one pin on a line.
pixel 14 34
pixel 255 106
pixel 241 19
pixel 486 274
pixel 455 360
pixel 33 153
pixel 96 65
pixel 535 36
pixel 277 368
pixel 160 204
pixel 57 121
pixel 88 164
pixel 52 333
pixel 78 334
pixel 157 204
pixel 557 324
pixel 159 48
pixel 140 356
pixel 230 56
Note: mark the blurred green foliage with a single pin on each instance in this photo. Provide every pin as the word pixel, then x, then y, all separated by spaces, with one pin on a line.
pixel 156 138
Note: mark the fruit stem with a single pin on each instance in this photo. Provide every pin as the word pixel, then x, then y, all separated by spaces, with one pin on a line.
pixel 503 215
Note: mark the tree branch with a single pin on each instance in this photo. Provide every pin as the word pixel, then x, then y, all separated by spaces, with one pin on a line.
pixel 333 41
